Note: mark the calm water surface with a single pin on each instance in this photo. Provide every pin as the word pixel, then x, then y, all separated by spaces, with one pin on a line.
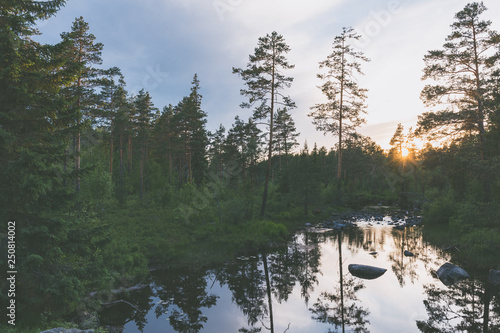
pixel 300 288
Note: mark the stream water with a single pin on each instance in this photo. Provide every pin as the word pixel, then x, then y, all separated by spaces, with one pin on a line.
pixel 307 287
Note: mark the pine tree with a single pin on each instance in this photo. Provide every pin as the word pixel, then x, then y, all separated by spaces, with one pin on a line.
pixel 462 70
pixel 342 114
pixel 264 79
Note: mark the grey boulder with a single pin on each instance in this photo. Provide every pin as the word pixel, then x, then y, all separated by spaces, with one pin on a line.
pixel 450 274
pixel 366 272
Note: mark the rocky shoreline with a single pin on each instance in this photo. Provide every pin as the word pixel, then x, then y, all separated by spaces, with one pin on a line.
pixel 399 219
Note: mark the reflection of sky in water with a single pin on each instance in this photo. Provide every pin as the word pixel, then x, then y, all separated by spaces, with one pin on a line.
pixel 393 304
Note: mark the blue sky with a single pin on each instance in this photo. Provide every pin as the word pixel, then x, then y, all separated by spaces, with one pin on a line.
pixel 160 44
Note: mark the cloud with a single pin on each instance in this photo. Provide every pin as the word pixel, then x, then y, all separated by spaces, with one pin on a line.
pixel 176 38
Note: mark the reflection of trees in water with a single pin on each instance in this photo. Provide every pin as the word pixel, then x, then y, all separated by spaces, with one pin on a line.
pixel 340 308
pixel 355 239
pixel 374 240
pixel 183 296
pixel 120 312
pixel 245 280
pixel 405 267
pixel 144 304
pixel 459 308
pixel 253 283
pixel 328 307
pixel 302 258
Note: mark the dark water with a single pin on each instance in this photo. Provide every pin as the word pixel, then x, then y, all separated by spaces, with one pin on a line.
pixel 299 288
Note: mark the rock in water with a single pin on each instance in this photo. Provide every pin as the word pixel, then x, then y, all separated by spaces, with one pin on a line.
pixel 366 272
pixel 450 274
pixel 494 278
pixel 408 254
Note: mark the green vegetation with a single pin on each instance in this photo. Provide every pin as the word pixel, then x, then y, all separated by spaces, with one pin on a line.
pixel 104 186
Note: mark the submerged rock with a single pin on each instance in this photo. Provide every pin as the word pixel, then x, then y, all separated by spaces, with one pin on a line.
pixel 494 278
pixel 366 272
pixel 408 253
pixel 450 274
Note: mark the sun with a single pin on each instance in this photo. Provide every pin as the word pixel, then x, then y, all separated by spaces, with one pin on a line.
pixel 404 152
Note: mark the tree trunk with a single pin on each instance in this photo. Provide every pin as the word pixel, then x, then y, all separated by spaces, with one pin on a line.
pixel 486 315
pixel 66 153
pixel 121 167
pixel 77 160
pixel 480 112
pixel 270 153
pixel 129 154
pixel 141 174
pixel 78 137
pixel 111 155
pixel 146 159
pixel 269 295
pixel 341 281
pixel 339 167
pixel 169 160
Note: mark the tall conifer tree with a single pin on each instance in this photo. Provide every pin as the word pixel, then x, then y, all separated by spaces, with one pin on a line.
pixel 342 114
pixel 265 80
pixel 81 53
pixel 462 71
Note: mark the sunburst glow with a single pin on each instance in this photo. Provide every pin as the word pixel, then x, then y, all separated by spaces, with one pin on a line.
pixel 405 152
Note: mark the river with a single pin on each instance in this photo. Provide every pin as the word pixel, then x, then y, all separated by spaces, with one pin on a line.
pixel 306 286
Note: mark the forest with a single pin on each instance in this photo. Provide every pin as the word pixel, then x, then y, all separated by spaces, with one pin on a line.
pixel 104 186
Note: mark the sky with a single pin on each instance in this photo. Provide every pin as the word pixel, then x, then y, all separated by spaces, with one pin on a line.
pixel 160 44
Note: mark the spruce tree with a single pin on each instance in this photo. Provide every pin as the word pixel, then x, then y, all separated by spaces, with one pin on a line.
pixel 286 133
pixel 216 150
pixel 81 53
pixel 55 238
pixel 145 114
pixel 191 121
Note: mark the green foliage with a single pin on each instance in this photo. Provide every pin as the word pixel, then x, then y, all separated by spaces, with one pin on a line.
pixel 96 186
pixel 481 246
pixel 440 210
pixel 269 230
pixel 238 209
